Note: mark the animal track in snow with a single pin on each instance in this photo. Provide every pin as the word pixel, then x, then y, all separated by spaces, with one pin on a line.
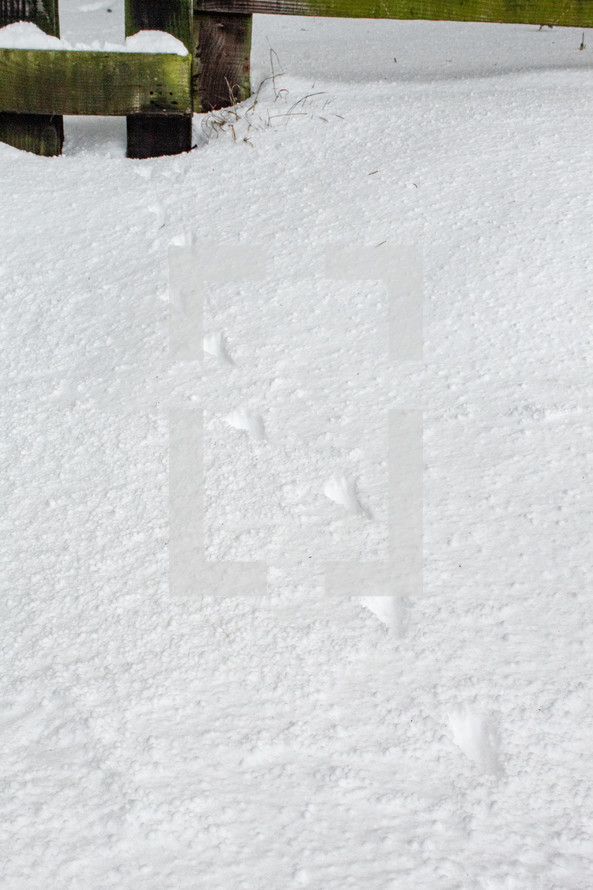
pixel 477 737
pixel 246 420
pixel 390 610
pixel 342 490
pixel 215 345
pixel 160 213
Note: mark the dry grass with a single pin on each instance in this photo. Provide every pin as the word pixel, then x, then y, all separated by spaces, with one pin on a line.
pixel 269 105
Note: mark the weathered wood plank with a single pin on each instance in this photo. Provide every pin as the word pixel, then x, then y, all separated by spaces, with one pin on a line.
pixel 223 50
pixel 569 13
pixel 151 135
pixel 172 16
pixel 70 82
pixel 37 133
pixel 146 137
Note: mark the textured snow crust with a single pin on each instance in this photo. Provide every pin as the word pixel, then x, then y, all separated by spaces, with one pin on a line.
pixel 442 740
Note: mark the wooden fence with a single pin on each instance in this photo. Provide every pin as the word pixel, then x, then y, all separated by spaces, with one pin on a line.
pixel 159 92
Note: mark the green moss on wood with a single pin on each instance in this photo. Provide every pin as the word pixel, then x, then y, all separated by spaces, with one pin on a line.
pixel 69 82
pixel 570 13
pixel 147 135
pixel 37 133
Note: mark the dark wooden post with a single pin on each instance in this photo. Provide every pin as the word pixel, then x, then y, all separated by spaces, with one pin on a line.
pixel 222 56
pixel 152 135
pixel 39 133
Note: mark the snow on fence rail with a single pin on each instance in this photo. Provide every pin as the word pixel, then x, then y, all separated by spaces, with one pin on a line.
pixel 152 89
pixel 159 91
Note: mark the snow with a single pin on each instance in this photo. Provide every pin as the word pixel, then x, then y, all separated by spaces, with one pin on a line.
pixel 26 35
pixel 154 42
pixel 296 740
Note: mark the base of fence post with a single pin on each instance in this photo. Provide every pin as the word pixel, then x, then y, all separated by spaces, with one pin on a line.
pixel 42 134
pixel 223 48
pixel 152 135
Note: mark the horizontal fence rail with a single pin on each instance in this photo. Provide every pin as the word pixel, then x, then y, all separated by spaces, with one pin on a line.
pixel 104 83
pixel 569 13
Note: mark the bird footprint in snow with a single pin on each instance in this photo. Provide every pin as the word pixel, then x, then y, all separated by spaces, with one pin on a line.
pixel 342 490
pixel 477 737
pixel 245 420
pixel 390 610
pixel 215 345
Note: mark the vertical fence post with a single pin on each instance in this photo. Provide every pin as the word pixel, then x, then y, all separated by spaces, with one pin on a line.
pixel 164 134
pixel 39 133
pixel 223 50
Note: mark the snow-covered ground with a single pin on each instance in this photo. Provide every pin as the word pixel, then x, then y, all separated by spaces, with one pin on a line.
pixel 294 739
